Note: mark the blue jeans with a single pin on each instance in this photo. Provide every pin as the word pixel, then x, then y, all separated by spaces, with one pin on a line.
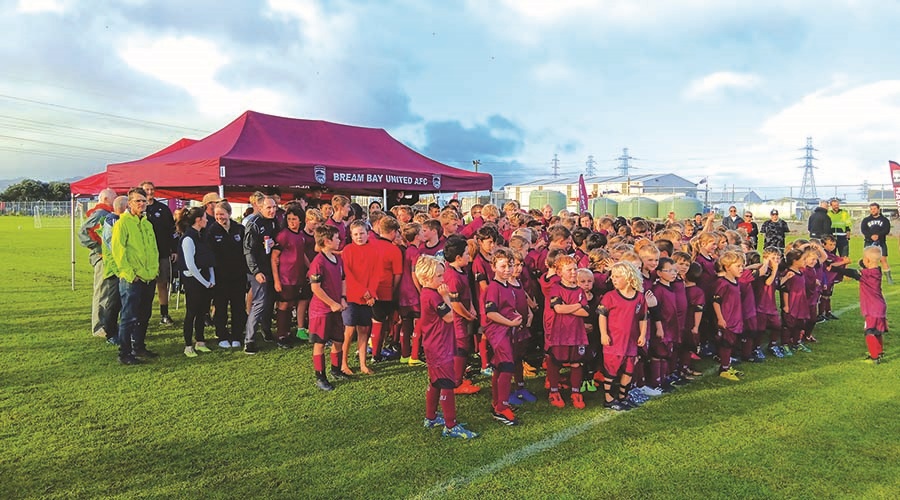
pixel 260 308
pixel 137 306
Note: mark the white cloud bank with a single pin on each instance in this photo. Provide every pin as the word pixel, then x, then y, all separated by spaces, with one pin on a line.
pixel 714 84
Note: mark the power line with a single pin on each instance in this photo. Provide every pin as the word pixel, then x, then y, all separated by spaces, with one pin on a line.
pixel 67 145
pixel 99 113
pixel 50 125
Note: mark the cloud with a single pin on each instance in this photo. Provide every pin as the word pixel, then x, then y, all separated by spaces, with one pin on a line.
pixel 451 140
pixel 715 84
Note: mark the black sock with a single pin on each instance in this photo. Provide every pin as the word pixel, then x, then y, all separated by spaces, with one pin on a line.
pixel 321 375
pixel 164 309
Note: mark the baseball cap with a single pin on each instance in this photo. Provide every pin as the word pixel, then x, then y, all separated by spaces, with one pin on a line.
pixel 773 212
pixel 212 197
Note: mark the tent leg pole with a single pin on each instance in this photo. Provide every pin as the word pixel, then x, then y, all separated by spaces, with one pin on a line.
pixel 384 199
pixel 72 238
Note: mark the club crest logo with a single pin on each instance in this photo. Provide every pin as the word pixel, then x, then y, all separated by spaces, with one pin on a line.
pixel 319 171
pixel 436 180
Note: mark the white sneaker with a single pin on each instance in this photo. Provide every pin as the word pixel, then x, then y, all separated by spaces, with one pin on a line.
pixel 650 391
pixel 236 344
pixel 224 344
pixel 189 352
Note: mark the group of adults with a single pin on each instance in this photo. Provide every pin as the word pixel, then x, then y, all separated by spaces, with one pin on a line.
pixel 830 218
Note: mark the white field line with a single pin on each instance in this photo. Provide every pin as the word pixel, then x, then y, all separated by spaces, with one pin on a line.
pixel 553 441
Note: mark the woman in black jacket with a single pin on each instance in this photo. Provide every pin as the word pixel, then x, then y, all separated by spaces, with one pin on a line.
pixel 226 238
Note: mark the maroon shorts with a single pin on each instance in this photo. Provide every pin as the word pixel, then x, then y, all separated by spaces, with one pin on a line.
pixel 441 374
pixel 768 322
pixel 879 324
pixel 568 353
pixel 689 339
pixel 793 323
pixel 751 324
pixel 409 312
pixel 501 349
pixel 727 337
pixel 661 349
pixel 325 327
pixel 288 293
pixel 614 364
pixel 306 291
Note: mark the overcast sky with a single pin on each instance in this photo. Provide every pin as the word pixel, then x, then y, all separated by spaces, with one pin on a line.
pixel 725 89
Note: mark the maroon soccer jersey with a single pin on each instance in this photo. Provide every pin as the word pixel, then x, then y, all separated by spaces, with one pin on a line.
pixel 831 274
pixel 667 305
pixel 521 332
pixel 292 259
pixel 435 251
pixel 871 300
pixel 468 231
pixel 707 279
pixel 623 318
pixel 765 294
pixel 409 295
pixel 811 279
pixel 564 329
pixel 602 284
pixel 457 281
pixel 681 304
pixel 310 248
pixel 728 295
pixel 748 298
pixel 795 287
pixel 581 258
pixel 696 301
pixel 482 272
pixel 437 335
pixel 536 260
pixel 330 275
pixel 342 231
pixel 499 298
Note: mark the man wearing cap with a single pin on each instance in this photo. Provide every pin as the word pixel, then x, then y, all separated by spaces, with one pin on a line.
pixel 819 223
pixel 731 220
pixel 209 203
pixel 875 229
pixel 774 230
pixel 840 226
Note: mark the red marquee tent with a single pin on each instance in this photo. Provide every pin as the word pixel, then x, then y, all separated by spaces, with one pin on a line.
pixel 264 150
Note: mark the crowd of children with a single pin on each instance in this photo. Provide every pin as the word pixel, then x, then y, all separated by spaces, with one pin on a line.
pixel 625 308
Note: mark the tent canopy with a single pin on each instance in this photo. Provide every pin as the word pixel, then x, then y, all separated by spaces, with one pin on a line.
pixel 264 150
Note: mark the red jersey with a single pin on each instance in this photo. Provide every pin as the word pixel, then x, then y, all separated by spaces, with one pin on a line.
pixel 360 271
pixel 390 264
pixel 623 318
pixel 329 274
pixel 564 329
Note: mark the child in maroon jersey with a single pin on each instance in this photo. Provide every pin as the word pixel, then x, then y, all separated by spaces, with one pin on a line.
pixel 794 301
pixel 409 296
pixel 313 219
pixel 585 280
pixel 565 339
pixel 521 334
pixel 499 318
pixel 833 264
pixel 727 306
pixel 622 319
pixel 764 287
pixel 814 274
pixel 482 274
pixel 456 277
pixel 871 302
pixel 696 301
pixel 326 277
pixel 289 267
pixel 433 243
pixel 751 339
pixel 668 328
pixel 438 342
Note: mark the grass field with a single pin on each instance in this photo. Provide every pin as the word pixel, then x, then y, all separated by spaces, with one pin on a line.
pixel 74 423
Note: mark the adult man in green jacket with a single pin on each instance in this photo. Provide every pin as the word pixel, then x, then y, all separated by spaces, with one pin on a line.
pixel 840 226
pixel 137 261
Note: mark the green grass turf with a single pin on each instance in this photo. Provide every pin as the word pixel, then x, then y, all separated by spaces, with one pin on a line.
pixel 74 423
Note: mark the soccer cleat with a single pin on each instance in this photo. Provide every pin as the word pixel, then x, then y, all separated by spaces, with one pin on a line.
pixel 324 384
pixel 303 334
pixel 458 431
pixel 144 353
pixel 250 348
pixel 339 375
pixel 729 375
pixel 631 403
pixel 224 344
pixel 515 400
pixel 578 400
pixel 736 372
pixel 283 343
pixel 404 360
pixel 487 372
pixel 113 341
pixel 830 316
pixel 638 395
pixel 786 349
pixel 437 421
pixel 235 344
pixel 389 354
pixel 200 347
pixel 760 355
pixel 588 386
pixel 526 395
pixel 776 351
pixel 505 417
pixel 650 391
pixel 415 362
pixel 821 319
pixel 190 352
pixel 695 356
pixel 166 320
pixel 556 400
pixel 802 347
pixel 466 387
pixel 267 337
pixel 615 406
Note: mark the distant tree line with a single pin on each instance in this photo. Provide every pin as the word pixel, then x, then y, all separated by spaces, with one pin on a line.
pixel 32 190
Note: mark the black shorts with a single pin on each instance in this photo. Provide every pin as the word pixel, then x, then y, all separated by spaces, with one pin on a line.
pixel 288 293
pixel 879 243
pixel 382 310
